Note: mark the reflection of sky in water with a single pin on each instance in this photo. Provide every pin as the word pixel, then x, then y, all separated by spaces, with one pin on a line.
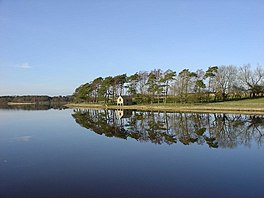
pixel 63 159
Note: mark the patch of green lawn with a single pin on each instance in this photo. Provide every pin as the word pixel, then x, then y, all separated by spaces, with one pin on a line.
pixel 247 103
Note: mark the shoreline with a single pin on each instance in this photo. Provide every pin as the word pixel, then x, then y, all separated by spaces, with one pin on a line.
pixel 184 108
pixel 20 103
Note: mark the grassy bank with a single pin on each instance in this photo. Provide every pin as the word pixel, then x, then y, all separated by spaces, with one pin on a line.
pixel 248 106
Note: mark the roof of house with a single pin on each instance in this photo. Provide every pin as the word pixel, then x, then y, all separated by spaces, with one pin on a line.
pixel 125 97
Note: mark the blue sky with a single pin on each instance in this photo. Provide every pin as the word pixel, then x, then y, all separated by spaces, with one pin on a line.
pixel 51 47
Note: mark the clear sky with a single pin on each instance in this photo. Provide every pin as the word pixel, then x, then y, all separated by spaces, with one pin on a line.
pixel 50 47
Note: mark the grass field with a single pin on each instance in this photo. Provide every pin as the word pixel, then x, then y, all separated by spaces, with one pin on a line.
pixel 247 106
pixel 247 103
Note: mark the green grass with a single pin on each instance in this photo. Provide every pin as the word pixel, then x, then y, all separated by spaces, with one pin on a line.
pixel 247 103
pixel 253 106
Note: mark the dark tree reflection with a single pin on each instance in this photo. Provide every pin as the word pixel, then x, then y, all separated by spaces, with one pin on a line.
pixel 215 130
pixel 32 107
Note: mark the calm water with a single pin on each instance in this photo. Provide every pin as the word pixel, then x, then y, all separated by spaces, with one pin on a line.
pixel 91 153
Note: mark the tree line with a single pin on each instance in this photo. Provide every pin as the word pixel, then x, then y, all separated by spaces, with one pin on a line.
pixel 217 83
pixel 40 100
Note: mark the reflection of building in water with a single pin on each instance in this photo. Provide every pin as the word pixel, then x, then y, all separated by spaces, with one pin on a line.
pixel 124 113
pixel 124 100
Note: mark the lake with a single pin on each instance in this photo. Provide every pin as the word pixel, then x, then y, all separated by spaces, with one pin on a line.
pixel 106 153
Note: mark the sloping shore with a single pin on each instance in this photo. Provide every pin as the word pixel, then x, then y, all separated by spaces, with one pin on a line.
pixel 177 108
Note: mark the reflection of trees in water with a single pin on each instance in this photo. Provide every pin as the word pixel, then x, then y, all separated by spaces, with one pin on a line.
pixel 31 107
pixel 215 130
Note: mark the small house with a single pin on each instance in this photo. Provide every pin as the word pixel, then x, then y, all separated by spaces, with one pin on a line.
pixel 124 100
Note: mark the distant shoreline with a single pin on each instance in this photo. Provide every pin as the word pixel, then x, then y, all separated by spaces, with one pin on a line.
pixel 21 103
pixel 177 108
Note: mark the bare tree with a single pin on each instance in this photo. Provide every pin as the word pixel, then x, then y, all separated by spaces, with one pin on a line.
pixel 142 81
pixel 252 80
pixel 224 80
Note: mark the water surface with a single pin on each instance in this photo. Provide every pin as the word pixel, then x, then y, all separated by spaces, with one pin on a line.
pixel 103 153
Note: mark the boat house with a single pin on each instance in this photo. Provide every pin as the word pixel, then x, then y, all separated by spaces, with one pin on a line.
pixel 124 100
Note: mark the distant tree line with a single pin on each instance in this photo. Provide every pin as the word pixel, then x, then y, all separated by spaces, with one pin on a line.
pixel 221 83
pixel 41 100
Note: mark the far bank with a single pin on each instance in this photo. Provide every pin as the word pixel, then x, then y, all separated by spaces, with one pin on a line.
pixel 249 106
